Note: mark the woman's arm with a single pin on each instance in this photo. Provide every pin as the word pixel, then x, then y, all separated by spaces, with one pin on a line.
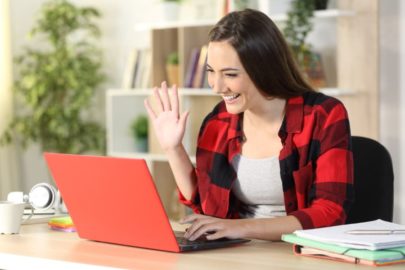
pixel 183 171
pixel 263 228
pixel 169 128
pixel 331 193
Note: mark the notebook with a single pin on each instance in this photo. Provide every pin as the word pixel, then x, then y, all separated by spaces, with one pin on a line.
pixel 340 235
pixel 322 250
pixel 114 200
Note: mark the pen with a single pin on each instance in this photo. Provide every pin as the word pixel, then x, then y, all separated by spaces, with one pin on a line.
pixel 375 232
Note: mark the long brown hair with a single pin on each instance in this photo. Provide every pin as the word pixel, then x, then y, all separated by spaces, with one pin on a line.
pixel 263 52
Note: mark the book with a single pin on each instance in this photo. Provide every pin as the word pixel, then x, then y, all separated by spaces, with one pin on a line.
pixel 147 68
pixel 339 235
pixel 199 77
pixel 317 249
pixel 322 254
pixel 64 224
pixel 130 70
pixel 138 69
pixel 191 67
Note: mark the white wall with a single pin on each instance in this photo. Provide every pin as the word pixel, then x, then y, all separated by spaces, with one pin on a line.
pixel 117 25
pixel 392 94
pixel 400 194
pixel 8 169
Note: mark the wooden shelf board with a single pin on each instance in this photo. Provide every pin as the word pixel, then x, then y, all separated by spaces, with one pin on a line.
pixel 145 156
pixel 331 91
pixel 322 14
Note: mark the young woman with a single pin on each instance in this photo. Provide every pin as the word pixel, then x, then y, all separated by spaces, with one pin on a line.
pixel 273 156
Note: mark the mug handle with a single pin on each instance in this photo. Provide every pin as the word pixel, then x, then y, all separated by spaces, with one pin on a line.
pixel 24 220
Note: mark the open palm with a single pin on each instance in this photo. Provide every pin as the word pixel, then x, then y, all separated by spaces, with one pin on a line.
pixel 169 126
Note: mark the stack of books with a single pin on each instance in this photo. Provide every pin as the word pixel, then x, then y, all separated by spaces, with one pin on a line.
pixel 374 243
pixel 196 72
pixel 137 73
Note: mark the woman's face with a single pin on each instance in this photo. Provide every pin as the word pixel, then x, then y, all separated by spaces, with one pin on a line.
pixel 227 77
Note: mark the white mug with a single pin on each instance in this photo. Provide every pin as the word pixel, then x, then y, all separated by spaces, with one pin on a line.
pixel 11 217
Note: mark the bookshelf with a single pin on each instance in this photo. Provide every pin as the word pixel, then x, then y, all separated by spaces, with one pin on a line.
pixel 356 87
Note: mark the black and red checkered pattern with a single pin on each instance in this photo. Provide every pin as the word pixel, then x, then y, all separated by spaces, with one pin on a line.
pixel 316 162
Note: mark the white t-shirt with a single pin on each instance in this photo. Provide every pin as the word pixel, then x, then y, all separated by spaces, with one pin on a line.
pixel 258 185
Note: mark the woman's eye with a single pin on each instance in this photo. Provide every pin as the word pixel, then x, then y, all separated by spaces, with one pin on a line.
pixel 231 74
pixel 209 70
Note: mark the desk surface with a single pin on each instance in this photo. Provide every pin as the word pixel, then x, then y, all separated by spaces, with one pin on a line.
pixel 37 241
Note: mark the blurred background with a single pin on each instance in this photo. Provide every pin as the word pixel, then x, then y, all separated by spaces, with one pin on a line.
pixel 77 84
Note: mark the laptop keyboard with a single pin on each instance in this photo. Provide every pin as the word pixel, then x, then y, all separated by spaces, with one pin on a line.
pixel 184 241
pixel 203 243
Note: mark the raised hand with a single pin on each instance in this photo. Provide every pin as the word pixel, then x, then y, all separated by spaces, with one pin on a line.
pixel 167 122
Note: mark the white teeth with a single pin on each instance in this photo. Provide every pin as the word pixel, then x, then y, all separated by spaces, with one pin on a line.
pixel 230 97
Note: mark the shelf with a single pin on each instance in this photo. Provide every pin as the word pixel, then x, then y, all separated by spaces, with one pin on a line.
pixel 146 156
pixel 335 92
pixel 147 26
pixel 129 92
pixel 321 14
pixel 330 91
pixel 147 92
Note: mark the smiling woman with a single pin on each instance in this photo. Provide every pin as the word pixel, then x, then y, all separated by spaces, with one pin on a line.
pixel 8 171
pixel 273 156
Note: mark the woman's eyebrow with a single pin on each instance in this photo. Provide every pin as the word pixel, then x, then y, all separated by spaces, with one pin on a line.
pixel 225 69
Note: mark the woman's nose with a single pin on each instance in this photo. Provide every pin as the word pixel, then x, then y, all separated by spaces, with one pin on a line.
pixel 216 85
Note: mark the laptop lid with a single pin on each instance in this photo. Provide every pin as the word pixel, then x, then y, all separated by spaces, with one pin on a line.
pixel 112 200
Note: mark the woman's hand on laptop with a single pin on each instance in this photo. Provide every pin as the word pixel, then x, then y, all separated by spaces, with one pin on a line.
pixel 254 228
pixel 214 228
pixel 169 125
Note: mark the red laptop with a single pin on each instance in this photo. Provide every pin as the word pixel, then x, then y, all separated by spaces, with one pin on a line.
pixel 115 200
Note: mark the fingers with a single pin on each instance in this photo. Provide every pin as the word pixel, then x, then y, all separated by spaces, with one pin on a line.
pixel 201 225
pixel 148 108
pixel 217 235
pixel 158 99
pixel 166 102
pixel 183 119
pixel 202 230
pixel 174 100
pixel 213 228
pixel 165 97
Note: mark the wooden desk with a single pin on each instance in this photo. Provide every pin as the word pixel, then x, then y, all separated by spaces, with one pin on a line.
pixel 37 241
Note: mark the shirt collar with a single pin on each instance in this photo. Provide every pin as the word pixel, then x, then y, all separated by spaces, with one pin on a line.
pixel 292 122
pixel 294 115
pixel 235 130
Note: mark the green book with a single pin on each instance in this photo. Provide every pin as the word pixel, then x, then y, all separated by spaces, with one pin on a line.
pixel 382 256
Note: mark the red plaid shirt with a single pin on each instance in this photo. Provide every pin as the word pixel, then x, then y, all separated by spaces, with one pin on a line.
pixel 316 163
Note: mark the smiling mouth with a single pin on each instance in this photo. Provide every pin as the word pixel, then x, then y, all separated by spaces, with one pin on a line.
pixel 231 97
